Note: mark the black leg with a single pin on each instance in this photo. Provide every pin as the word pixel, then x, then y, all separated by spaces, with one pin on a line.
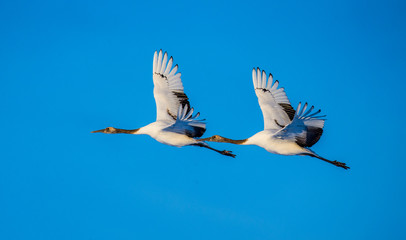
pixel 335 163
pixel 224 152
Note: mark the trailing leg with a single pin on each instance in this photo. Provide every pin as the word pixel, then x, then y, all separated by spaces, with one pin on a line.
pixel 224 152
pixel 335 163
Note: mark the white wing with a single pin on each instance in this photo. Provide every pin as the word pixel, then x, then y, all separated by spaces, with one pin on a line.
pixel 274 103
pixel 306 127
pixel 187 124
pixel 168 88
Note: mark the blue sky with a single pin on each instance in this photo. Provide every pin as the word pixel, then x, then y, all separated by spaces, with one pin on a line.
pixel 70 67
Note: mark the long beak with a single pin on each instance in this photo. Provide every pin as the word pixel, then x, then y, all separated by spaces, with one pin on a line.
pixel 101 130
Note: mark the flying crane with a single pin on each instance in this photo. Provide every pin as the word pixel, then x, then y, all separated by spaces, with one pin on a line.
pixel 286 131
pixel 175 123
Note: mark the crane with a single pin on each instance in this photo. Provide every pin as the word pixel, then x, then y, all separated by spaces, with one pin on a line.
pixel 175 123
pixel 286 131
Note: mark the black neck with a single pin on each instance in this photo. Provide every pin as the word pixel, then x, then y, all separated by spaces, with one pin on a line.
pixel 228 140
pixel 131 131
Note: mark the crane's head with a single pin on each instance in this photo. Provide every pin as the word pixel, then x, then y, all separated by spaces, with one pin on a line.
pixel 106 130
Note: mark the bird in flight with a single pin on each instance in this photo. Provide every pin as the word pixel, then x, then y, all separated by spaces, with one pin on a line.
pixel 286 131
pixel 175 123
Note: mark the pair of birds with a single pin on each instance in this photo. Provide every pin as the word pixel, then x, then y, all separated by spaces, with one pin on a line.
pixel 286 131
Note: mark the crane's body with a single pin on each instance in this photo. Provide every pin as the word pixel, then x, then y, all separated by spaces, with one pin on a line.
pixel 286 131
pixel 266 140
pixel 157 131
pixel 175 124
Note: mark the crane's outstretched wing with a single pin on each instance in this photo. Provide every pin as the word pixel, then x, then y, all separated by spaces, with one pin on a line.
pixel 168 88
pixel 306 127
pixel 274 103
pixel 187 124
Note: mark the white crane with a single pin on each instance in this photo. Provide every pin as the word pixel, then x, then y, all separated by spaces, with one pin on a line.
pixel 174 123
pixel 286 131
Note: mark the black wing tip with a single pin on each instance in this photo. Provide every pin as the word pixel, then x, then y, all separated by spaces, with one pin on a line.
pixel 288 110
pixel 199 131
pixel 312 137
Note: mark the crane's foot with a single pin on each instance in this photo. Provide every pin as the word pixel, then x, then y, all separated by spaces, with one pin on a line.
pixel 228 153
pixel 340 164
